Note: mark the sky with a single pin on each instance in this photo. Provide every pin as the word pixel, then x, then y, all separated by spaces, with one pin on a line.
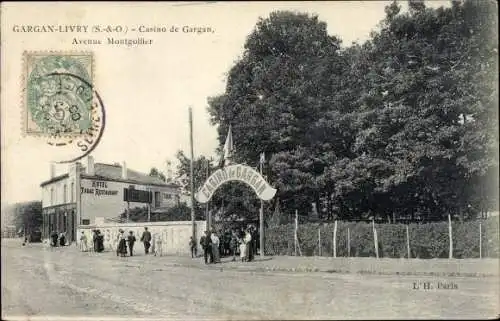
pixel 146 90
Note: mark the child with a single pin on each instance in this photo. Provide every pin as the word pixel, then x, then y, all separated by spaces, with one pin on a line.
pixel 192 246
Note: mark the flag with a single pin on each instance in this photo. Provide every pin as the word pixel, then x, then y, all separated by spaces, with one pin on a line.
pixel 262 158
pixel 228 148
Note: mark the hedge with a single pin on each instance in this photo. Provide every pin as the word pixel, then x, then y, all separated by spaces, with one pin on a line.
pixel 426 240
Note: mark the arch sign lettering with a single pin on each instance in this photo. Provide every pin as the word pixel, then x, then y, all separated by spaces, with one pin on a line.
pixel 241 173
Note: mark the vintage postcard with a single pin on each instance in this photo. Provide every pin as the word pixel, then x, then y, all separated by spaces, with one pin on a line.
pixel 249 160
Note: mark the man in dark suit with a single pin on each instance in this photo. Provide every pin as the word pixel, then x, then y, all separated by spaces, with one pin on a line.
pixel 131 240
pixel 253 246
pixel 146 239
pixel 206 244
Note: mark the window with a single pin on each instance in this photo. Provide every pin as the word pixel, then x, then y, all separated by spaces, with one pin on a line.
pixel 65 222
pixel 65 194
pixel 72 192
pixel 52 200
pixel 167 196
pixel 85 222
pixel 157 199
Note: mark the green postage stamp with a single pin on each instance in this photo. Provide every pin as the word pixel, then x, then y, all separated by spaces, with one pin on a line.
pixel 58 93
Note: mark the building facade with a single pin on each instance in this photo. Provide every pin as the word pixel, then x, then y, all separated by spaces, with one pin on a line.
pixel 95 193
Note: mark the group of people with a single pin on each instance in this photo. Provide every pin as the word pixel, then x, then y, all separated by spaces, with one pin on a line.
pixel 97 241
pixel 56 239
pixel 233 242
pixel 129 241
pixel 214 245
pixel 123 242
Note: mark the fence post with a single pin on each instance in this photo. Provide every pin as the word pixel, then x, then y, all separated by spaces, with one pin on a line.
pixel 295 234
pixel 408 241
pixel 297 245
pixel 480 241
pixel 450 232
pixel 319 240
pixel 348 243
pixel 375 242
pixel 335 239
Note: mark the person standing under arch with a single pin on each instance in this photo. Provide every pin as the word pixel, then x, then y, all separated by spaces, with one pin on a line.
pixel 248 244
pixel 215 247
pixel 206 244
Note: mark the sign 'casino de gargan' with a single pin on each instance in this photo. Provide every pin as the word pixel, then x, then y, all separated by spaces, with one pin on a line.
pixel 240 173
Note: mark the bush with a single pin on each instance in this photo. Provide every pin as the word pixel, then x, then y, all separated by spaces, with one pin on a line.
pixel 427 241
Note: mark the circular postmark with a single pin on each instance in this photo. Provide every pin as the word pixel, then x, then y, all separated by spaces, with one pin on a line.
pixel 71 113
pixel 59 96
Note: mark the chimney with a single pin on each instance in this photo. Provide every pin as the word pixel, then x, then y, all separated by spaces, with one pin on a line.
pixel 73 168
pixel 52 170
pixel 124 170
pixel 168 171
pixel 90 166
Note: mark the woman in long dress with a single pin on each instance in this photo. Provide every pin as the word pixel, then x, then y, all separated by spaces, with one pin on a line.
pixel 243 246
pixel 215 247
pixel 100 241
pixel 122 245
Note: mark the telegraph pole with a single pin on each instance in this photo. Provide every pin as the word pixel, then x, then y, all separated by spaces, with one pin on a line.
pixel 149 204
pixel 192 171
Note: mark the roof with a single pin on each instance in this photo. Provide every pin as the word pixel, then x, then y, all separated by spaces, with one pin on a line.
pixel 114 173
pixel 111 172
pixel 54 179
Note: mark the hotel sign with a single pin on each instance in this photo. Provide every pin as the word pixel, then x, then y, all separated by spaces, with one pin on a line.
pixel 241 173
pixel 98 189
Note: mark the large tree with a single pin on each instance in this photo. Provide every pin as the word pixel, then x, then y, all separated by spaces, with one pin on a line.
pixel 425 133
pixel 27 216
pixel 274 95
pixel 403 125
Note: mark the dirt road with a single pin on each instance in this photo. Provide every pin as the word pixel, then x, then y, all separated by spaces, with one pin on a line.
pixel 43 282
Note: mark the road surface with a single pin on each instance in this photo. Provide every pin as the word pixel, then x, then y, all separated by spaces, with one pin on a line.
pixel 42 282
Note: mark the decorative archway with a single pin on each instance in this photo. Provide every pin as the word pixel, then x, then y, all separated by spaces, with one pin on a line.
pixel 245 174
pixel 239 172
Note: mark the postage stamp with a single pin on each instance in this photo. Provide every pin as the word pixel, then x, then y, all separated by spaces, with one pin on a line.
pixel 60 103
pixel 57 93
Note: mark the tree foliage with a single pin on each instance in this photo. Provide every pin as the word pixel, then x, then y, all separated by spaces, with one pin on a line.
pixel 27 215
pixel 154 172
pixel 404 125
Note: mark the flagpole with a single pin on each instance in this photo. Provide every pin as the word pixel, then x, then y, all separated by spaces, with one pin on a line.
pixel 261 219
pixel 192 171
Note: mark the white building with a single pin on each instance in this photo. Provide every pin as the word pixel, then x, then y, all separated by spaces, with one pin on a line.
pixel 91 194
